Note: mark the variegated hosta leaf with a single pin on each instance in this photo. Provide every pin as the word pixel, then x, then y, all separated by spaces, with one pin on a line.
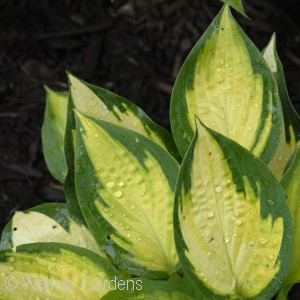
pixel 226 82
pixel 53 133
pixel 125 185
pixel 291 185
pixel 233 231
pixel 171 289
pixel 237 5
pixel 290 134
pixel 53 222
pixel 54 271
pixel 104 105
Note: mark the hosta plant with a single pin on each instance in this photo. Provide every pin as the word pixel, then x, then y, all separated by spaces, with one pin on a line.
pixel 209 213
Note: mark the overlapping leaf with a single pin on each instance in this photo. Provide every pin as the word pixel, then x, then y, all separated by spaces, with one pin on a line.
pixel 55 271
pixel 54 222
pixel 125 185
pixel 290 183
pixel 104 105
pixel 233 230
pixel 226 82
pixel 290 134
pixel 53 133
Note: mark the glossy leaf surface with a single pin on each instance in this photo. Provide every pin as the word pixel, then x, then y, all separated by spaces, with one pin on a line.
pixel 125 185
pixel 226 83
pixel 53 222
pixel 233 230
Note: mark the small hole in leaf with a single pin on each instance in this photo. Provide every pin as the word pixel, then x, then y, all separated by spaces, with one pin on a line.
pixel 108 237
pixel 209 153
pixel 54 226
pixel 15 229
pixel 211 239
pixel 222 28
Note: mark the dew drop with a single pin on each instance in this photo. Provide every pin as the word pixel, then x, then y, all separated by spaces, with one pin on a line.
pixel 118 194
pixel 132 206
pixel 139 239
pixel 121 183
pixel 1 274
pixel 127 227
pixel 81 129
pixel 219 70
pixel 136 140
pixel 263 240
pixel 226 239
pixel 128 235
pixel 271 202
pixel 205 181
pixel 110 184
pixel 11 268
pixel 249 128
pixel 211 214
pixel 202 192
pixel 238 222
pixel 124 215
pixel 96 135
pixel 256 105
pixel 98 185
pixel 113 206
pixel 239 105
pixel 271 256
pixel 106 209
pixel 141 296
pixel 142 193
pixel 218 189
pixel 213 124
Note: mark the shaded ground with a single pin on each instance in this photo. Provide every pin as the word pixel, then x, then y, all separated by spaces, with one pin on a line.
pixel 134 48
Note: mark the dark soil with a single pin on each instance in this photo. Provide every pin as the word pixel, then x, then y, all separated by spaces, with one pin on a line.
pixel 134 48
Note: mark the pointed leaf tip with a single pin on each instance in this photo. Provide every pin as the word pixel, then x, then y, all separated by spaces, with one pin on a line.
pixel 237 5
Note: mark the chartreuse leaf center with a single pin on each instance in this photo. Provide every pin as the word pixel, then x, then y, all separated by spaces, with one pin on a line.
pixel 59 271
pixel 104 105
pixel 232 223
pixel 125 184
pixel 226 82
pixel 48 223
